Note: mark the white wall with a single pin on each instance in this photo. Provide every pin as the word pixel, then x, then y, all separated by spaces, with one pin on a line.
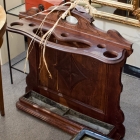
pixel 131 33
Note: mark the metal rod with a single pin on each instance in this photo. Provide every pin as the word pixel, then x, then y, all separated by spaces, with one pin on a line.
pixel 1 97
pixel 4 4
pixel 18 61
pixel 9 57
pixel 8 50
pixel 19 70
pixel 90 1
pixel 8 11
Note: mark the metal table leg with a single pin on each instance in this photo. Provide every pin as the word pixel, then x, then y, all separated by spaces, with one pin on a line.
pixel 1 96
pixel 9 58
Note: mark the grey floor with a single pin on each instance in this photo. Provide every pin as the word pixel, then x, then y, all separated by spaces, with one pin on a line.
pixel 17 125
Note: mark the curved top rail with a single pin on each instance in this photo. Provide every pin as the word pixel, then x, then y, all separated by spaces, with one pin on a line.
pixel 82 38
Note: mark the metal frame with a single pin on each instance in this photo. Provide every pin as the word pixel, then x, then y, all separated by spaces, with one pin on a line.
pixel 12 9
pixel 8 48
pixel 134 7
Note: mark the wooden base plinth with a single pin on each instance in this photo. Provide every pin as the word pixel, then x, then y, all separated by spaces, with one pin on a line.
pixel 50 118
pixel 60 116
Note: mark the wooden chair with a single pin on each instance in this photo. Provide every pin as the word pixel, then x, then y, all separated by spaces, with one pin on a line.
pixel 2 31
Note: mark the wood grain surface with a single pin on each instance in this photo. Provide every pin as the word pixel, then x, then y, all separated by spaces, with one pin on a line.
pixel 85 63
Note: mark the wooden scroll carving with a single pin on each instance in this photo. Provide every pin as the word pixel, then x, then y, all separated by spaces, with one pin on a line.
pixel 2 31
pixel 86 65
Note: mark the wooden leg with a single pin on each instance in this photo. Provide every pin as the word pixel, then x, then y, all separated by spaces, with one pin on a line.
pixel 1 90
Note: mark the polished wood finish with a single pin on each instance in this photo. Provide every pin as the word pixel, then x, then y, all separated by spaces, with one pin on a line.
pixel 85 62
pixel 2 30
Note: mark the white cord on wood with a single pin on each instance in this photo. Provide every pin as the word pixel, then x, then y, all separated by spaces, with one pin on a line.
pixel 47 35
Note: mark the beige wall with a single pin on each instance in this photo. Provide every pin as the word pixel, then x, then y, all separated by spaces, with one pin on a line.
pixel 11 3
pixel 17 44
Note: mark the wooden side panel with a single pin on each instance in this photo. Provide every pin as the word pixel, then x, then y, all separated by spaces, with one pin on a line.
pixel 76 77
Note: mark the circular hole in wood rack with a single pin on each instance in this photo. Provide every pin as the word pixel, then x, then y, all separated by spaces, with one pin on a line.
pixel 16 23
pixel 101 46
pixel 31 24
pixel 64 34
pixel 110 54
